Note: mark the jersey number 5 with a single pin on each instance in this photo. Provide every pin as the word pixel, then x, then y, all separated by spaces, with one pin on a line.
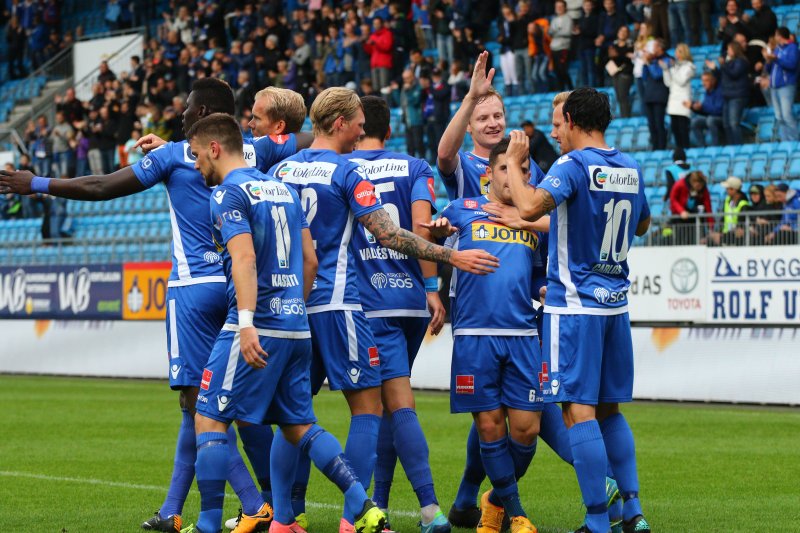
pixel 615 212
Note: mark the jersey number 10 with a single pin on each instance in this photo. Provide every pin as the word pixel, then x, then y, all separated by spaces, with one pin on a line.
pixel 615 211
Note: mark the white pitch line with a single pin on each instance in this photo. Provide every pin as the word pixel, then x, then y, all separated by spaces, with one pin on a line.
pixel 135 486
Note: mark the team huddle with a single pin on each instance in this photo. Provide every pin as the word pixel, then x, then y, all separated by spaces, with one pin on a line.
pixel 319 261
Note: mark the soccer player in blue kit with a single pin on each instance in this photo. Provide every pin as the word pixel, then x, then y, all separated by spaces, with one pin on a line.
pixel 496 356
pixel 598 197
pixel 269 264
pixel 196 289
pixel 335 193
pixel 396 294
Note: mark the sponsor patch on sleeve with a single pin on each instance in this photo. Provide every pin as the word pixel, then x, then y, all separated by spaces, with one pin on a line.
pixel 365 194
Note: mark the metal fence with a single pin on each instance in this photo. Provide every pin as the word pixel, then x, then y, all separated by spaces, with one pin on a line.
pixel 751 228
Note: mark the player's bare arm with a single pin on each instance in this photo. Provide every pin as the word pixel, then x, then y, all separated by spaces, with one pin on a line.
pixel 421 214
pixel 245 281
pixel 532 203
pixel 93 188
pixel 642 227
pixel 401 240
pixel 453 136
pixel 508 215
pixel 310 263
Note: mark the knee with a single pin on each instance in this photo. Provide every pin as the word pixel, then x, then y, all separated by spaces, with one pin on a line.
pixel 490 428
pixel 525 434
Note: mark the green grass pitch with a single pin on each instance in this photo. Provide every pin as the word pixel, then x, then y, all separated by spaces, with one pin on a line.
pixel 92 455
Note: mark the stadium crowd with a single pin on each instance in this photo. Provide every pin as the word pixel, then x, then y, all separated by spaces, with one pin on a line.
pixel 381 47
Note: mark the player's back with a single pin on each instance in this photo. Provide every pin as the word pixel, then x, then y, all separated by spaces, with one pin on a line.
pixel 333 192
pixel 248 202
pixel 389 280
pixel 194 259
pixel 502 301
pixel 600 197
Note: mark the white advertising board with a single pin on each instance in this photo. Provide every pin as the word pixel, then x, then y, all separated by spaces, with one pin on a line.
pixel 667 284
pixel 753 286
pixel 729 364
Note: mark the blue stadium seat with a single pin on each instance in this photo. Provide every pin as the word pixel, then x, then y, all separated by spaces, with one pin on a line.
pixel 758 167
pixel 766 127
pixel 719 168
pixel 703 164
pixel 777 165
pixel 793 172
pixel 649 170
pixel 739 166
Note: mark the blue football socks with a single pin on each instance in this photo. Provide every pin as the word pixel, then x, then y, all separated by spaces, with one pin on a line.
pixel 301 484
pixel 361 449
pixel 212 469
pixel 257 442
pixel 327 455
pixel 240 480
pixel 283 462
pixel 553 431
pixel 591 465
pixel 183 468
pixel 385 464
pixel 500 469
pixel 474 473
pixel 412 449
pixel 618 439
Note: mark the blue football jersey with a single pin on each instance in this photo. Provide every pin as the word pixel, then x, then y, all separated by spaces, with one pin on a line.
pixel 194 259
pixel 500 303
pixel 600 198
pixel 469 178
pixel 334 192
pixel 248 202
pixel 389 281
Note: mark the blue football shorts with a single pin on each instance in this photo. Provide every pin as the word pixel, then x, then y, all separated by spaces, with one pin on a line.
pixel 398 340
pixel 587 359
pixel 344 351
pixel 195 315
pixel 490 372
pixel 280 393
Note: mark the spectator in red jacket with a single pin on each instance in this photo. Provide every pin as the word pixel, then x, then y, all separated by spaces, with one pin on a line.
pixel 690 196
pixel 380 47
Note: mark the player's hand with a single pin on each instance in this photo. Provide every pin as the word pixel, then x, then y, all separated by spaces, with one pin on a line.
pixel 507 215
pixel 474 261
pixel 481 81
pixel 254 355
pixel 436 308
pixel 17 182
pixel 439 228
pixel 149 142
pixel 542 294
pixel 519 149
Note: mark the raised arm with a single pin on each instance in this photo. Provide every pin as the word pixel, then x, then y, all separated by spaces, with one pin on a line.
pixel 392 236
pixel 533 203
pixel 93 188
pixel 453 136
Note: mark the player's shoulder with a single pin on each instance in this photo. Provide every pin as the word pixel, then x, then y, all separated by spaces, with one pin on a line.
pixel 309 167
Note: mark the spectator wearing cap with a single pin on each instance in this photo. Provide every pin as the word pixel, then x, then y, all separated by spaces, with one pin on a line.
pixel 735 202
pixel 708 112
pixel 678 77
pixel 786 230
pixel 380 47
pixel 782 66
pixel 542 152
